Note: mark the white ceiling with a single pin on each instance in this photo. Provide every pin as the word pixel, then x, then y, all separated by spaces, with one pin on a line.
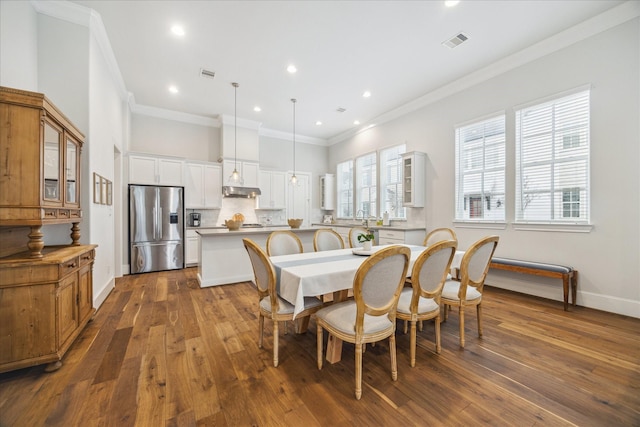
pixel 341 48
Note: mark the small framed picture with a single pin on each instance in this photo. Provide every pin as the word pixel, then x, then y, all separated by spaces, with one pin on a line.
pixel 103 190
pixel 97 190
pixel 109 193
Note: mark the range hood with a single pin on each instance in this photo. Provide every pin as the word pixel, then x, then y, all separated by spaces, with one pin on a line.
pixel 243 192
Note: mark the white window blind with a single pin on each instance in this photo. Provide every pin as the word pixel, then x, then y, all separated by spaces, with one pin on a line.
pixel 366 185
pixel 344 177
pixel 480 170
pixel 552 161
pixel 391 181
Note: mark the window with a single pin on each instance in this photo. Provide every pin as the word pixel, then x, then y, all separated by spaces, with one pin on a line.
pixel 344 177
pixel 366 188
pixel 552 160
pixel 391 181
pixel 480 170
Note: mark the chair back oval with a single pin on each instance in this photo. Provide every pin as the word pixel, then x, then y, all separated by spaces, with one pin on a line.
pixel 431 268
pixel 439 234
pixel 378 282
pixel 263 271
pixel 353 235
pixel 475 264
pixel 283 242
pixel 327 239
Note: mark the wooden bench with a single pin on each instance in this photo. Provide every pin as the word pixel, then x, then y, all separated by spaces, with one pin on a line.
pixel 567 274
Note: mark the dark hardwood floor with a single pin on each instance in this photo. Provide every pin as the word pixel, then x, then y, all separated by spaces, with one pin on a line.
pixel 162 351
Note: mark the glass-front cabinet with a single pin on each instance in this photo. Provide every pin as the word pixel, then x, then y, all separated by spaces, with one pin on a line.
pixel 41 149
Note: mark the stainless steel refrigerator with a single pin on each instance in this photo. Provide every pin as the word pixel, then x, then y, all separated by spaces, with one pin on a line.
pixel 156 228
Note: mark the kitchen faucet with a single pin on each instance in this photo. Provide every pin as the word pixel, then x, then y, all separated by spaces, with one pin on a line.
pixel 363 220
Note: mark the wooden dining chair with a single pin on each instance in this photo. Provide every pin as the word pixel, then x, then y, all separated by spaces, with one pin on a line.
pixel 326 239
pixel 353 236
pixel 468 290
pixel 438 234
pixel 422 300
pixel 270 304
pixel 371 315
pixel 283 242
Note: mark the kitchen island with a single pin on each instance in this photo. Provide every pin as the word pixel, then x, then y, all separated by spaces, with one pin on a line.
pixel 223 258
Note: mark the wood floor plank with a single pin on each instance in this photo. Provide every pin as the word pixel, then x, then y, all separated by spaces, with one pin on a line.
pixel 162 351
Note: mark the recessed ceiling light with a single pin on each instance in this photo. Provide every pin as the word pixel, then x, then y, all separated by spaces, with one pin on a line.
pixel 178 30
pixel 292 68
pixel 356 122
pixel 257 109
pixel 451 3
pixel 173 89
pixel 366 94
pixel 318 123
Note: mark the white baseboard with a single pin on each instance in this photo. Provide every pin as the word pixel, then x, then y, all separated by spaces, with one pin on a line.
pixel 552 289
pixel 99 297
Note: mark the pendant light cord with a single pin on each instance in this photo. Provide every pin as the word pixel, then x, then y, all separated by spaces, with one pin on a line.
pixel 235 126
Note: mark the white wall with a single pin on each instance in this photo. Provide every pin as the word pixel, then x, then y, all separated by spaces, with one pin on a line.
pixel 174 138
pixel 607 258
pixel 18 45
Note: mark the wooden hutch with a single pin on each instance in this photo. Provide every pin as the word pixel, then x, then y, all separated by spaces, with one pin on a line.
pixel 46 293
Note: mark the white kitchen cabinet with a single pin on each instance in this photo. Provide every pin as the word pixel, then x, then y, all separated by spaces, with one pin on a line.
pixel 327 192
pixel 273 186
pixel 192 250
pixel 144 169
pixel 413 176
pixel 392 237
pixel 203 185
pixel 248 170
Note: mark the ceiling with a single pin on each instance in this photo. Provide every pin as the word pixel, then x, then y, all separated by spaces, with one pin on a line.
pixel 340 48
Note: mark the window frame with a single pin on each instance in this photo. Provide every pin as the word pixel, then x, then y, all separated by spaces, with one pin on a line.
pixel 483 197
pixel 561 140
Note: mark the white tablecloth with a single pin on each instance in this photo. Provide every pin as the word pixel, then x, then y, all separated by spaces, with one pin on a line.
pixel 320 273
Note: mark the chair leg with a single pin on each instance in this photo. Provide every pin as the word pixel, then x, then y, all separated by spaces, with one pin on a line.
pixel 394 361
pixel 319 345
pixel 479 314
pixel 260 329
pixel 286 327
pixel 437 324
pixel 275 343
pixel 405 326
pixel 461 310
pixel 421 325
pixel 446 312
pixel 358 371
pixel 412 344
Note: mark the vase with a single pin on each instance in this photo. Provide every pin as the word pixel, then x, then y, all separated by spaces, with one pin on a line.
pixel 366 245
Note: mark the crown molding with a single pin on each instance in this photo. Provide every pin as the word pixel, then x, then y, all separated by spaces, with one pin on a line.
pixel 226 119
pixel 161 113
pixel 288 136
pixel 605 21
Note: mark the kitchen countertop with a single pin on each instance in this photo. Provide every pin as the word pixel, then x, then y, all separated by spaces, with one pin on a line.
pixel 374 227
pixel 245 231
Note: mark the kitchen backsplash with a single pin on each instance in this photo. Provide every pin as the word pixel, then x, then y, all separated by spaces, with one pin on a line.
pixel 247 207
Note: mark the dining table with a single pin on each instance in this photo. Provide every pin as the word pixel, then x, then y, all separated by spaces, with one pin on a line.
pixel 322 273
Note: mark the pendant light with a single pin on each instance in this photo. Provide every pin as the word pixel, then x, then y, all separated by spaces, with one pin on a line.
pixel 235 179
pixel 294 178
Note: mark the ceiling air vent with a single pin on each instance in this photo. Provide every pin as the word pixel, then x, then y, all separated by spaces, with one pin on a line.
pixel 207 73
pixel 456 40
pixel 341 110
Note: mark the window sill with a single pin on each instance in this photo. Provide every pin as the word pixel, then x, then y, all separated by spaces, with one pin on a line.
pixel 557 227
pixel 490 225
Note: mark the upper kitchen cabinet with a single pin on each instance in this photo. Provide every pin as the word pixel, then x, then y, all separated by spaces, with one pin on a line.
pixel 154 170
pixel 203 185
pixel 273 186
pixel 327 192
pixel 249 171
pixel 40 157
pixel 413 176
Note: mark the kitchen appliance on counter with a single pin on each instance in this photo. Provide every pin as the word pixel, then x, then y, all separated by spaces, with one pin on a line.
pixel 156 228
pixel 194 219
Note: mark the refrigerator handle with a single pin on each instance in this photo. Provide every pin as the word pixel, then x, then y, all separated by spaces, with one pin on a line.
pixel 155 223
pixel 160 224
